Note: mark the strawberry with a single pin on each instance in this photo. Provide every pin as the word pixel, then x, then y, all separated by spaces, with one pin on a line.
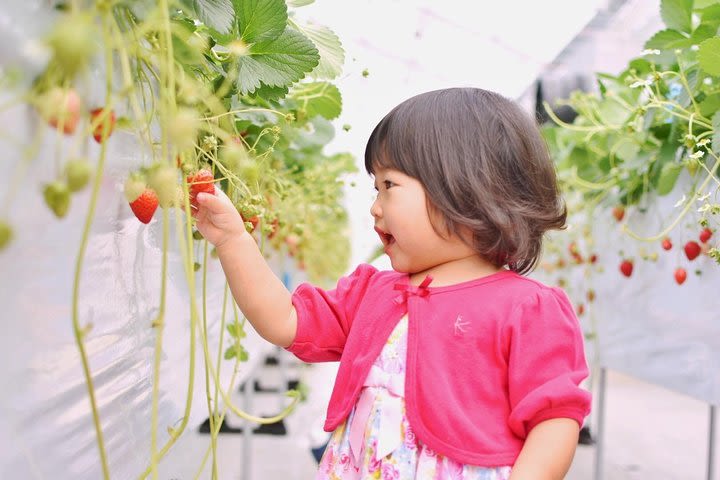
pixel 705 235
pixel 201 181
pixel 593 258
pixel 591 295
pixel 143 200
pixel 73 41
pixel 252 221
pixel 6 234
pixel 145 205
pixel 57 197
pixel 692 250
pixel 580 309
pixel 104 123
pixel 163 179
pixel 680 275
pixel 61 109
pixel 666 243
pixel 273 228
pixel 182 129
pixel 626 267
pixel 77 174
pixel 619 213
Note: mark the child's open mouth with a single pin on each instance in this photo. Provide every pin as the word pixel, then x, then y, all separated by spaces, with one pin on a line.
pixel 385 238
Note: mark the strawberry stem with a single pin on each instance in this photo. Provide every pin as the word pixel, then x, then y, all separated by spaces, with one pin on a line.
pixel 77 328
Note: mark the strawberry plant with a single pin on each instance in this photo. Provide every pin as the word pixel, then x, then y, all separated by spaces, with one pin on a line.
pixel 217 94
pixel 651 131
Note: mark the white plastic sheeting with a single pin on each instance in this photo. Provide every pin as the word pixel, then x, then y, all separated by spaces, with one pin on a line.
pixel 46 428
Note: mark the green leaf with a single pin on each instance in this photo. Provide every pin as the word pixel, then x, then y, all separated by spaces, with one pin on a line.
pixel 716 133
pixel 667 40
pixel 218 14
pixel 668 176
pixel 332 55
pixel 677 14
pixel 183 50
pixel 319 98
pixel 692 80
pixel 278 62
pixel 260 20
pixel 230 352
pixel 704 3
pixel 702 33
pixel 710 105
pixel 269 93
pixel 299 3
pixel 709 56
pixel 613 113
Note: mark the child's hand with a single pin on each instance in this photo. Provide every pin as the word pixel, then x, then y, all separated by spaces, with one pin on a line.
pixel 217 218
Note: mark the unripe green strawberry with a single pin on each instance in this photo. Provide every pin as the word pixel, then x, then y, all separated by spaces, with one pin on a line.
pixel 57 197
pixel 249 171
pixel 73 41
pixel 6 234
pixel 232 155
pixel 182 129
pixel 163 179
pixel 77 174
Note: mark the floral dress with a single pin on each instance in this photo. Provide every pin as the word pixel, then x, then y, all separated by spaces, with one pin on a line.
pixel 377 442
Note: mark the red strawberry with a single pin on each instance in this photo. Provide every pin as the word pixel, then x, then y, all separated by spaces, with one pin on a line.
pixel 619 213
pixel 705 235
pixel 105 123
pixel 143 200
pixel 666 243
pixel 580 309
pixel 680 275
pixel 202 181
pixel 692 250
pixel 145 205
pixel 626 267
pixel 593 258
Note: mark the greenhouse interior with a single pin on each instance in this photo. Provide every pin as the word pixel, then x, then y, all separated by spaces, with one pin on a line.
pixel 381 239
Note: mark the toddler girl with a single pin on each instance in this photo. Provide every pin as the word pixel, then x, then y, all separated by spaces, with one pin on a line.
pixel 453 365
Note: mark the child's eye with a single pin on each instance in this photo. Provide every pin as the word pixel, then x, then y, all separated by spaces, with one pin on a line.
pixel 388 184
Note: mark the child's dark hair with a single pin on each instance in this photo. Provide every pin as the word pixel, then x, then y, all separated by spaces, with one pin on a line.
pixel 484 166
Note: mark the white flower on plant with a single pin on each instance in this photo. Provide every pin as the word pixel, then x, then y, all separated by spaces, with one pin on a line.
pixel 703 198
pixel 641 83
pixel 694 48
pixel 707 81
pixel 650 51
pixel 681 201
pixel 697 155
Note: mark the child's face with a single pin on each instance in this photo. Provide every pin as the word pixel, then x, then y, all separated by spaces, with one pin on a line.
pixel 405 225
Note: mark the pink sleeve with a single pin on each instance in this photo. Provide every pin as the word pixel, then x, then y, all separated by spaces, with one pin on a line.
pixel 324 317
pixel 546 363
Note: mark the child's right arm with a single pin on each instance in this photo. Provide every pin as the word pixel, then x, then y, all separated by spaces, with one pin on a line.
pixel 261 296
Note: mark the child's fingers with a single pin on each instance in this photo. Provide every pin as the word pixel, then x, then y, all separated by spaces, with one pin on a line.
pixel 214 203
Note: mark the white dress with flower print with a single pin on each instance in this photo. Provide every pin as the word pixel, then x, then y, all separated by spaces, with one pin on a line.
pixel 377 442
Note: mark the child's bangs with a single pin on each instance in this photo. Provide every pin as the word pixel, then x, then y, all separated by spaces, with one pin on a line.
pixel 385 149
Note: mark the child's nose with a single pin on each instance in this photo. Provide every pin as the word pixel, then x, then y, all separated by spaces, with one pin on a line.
pixel 375 209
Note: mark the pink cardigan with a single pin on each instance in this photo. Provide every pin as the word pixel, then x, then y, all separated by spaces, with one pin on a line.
pixel 488 359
